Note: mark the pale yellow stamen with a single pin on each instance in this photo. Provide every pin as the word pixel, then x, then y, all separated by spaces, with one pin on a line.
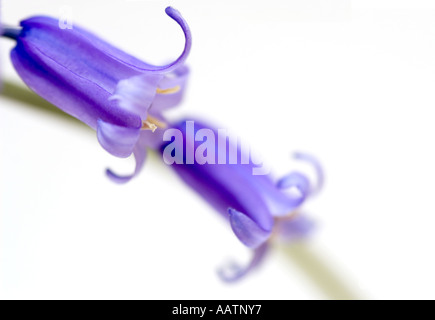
pixel 289 216
pixel 152 124
pixel 146 125
pixel 168 91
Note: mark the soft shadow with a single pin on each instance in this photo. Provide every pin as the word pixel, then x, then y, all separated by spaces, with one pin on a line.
pixel 317 270
pixel 30 99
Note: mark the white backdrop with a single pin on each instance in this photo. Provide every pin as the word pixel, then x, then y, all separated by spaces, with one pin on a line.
pixel 349 81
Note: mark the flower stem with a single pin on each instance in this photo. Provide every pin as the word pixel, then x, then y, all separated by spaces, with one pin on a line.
pixel 20 93
pixel 303 255
pixel 10 32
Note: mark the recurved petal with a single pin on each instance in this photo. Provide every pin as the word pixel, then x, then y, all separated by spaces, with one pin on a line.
pixel 297 188
pixel 247 230
pixel 176 15
pixel 117 140
pixel 91 43
pixel 139 156
pixel 317 167
pixel 233 271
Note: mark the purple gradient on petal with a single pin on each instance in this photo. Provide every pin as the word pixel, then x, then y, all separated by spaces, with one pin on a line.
pixel 163 102
pixel 247 230
pixel 297 187
pixel 136 94
pixel 140 153
pixel 147 139
pixel 233 271
pixel 299 227
pixel 251 201
pixel 99 84
pixel 317 167
pixel 233 185
pixel 82 97
pixel 223 186
pixel 117 140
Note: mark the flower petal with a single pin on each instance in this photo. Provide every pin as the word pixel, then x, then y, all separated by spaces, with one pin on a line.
pixel 117 140
pixel 233 272
pixel 136 94
pixel 317 167
pixel 94 43
pixel 221 185
pixel 176 78
pixel 78 72
pixel 175 14
pixel 294 179
pixel 78 86
pixel 294 229
pixel 247 230
pixel 139 156
pixel 298 188
pixel 150 139
pixel 147 139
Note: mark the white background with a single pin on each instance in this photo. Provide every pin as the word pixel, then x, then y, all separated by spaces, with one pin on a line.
pixel 349 81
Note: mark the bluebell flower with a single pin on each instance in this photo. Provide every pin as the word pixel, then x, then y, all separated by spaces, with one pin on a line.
pixel 123 99
pixel 118 95
pixel 256 206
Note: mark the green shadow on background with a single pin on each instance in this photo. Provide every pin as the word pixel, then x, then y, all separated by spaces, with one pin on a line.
pixel 300 254
pixel 20 93
pixel 317 270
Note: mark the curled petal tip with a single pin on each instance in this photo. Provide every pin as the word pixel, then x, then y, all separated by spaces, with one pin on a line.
pixel 170 11
pixel 176 15
pixel 297 185
pixel 140 153
pixel 117 178
pixel 233 272
pixel 294 179
pixel 317 167
pixel 230 272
